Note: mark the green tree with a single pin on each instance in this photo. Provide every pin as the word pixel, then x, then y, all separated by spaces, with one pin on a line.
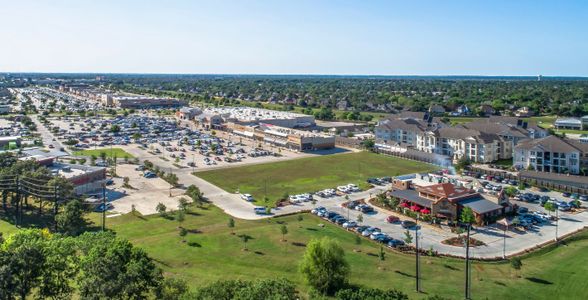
pixel 369 293
pixel 407 237
pixel 195 194
pixel 360 218
pixel 283 231
pixel 161 209
pixel 231 224
pixel 324 266
pixel 71 220
pixel 171 289
pixel 382 254
pixel 516 264
pixel 114 269
pixel 180 217
pixel 467 216
pixel 183 204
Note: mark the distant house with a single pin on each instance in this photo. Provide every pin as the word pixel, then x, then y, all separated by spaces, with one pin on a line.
pixel 342 105
pixel 487 110
pixel 568 123
pixel 524 112
pixel 461 110
pixel 436 109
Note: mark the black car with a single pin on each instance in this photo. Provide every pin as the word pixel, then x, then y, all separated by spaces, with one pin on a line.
pixel 352 204
pixel 407 224
pixel 367 209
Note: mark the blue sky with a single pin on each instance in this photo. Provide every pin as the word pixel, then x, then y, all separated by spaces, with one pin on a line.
pixel 296 37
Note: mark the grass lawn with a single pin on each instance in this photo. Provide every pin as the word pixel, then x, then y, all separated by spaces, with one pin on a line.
pixel 460 120
pixel 211 252
pixel 310 174
pixel 504 162
pixel 217 254
pixel 118 152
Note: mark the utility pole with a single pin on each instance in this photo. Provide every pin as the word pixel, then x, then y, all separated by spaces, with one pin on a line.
pixel 17 201
pixel 103 206
pixel 418 263
pixel 467 279
pixel 55 208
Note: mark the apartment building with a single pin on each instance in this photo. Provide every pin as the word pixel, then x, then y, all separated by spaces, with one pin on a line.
pixel 483 140
pixel 550 154
pixel 432 137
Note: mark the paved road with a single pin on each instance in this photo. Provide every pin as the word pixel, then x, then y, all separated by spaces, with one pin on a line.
pixel 47 136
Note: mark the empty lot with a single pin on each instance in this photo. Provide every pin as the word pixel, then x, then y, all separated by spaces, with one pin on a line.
pixel 309 174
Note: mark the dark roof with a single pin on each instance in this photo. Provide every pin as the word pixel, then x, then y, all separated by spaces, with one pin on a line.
pixel 480 205
pixel 412 196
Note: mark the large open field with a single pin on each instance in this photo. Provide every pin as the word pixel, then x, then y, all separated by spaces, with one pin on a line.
pixel 118 152
pixel 211 252
pixel 309 174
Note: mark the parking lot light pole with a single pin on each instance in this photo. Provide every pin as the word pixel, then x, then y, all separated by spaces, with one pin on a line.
pixel 556 223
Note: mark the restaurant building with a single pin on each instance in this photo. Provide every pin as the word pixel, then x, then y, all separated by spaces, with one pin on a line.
pixel 445 200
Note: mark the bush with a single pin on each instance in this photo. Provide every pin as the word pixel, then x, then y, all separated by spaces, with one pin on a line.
pixel 369 294
pixel 281 289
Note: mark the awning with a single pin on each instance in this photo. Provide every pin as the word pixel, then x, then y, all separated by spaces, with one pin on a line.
pixel 425 211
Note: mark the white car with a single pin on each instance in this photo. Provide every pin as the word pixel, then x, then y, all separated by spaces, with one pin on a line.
pixel 295 199
pixel 247 197
pixel 352 187
pixel 349 224
pixel 343 189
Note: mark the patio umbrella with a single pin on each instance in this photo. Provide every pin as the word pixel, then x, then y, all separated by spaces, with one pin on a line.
pixel 415 208
pixel 425 211
pixel 404 204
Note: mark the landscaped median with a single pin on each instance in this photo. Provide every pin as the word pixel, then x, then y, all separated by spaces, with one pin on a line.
pixel 108 152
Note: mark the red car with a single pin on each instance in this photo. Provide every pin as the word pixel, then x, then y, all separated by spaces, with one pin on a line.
pixel 392 219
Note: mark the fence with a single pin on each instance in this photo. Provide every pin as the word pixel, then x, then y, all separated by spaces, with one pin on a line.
pixel 431 158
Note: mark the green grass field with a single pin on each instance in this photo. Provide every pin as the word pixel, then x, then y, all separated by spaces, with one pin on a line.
pixel 217 254
pixel 309 174
pixel 118 152
pixel 211 252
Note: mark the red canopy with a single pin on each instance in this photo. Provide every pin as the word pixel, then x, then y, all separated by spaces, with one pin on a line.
pixel 425 211
pixel 415 208
pixel 404 204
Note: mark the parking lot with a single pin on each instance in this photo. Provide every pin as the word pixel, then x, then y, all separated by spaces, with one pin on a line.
pixel 162 139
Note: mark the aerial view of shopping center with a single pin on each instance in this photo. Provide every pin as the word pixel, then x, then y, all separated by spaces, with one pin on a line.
pixel 225 183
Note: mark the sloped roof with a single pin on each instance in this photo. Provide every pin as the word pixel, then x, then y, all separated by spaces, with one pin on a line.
pixel 447 191
pixel 550 143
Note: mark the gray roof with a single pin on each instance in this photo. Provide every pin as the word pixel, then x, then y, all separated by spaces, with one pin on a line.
pixel 408 124
pixel 555 178
pixel 480 205
pixel 412 196
pixel 465 133
pixel 550 143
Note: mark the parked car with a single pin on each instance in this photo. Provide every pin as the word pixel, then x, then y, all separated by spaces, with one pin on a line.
pixel 393 243
pixel 247 197
pixel 103 207
pixel 392 219
pixel 149 175
pixel 349 224
pixel 407 224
